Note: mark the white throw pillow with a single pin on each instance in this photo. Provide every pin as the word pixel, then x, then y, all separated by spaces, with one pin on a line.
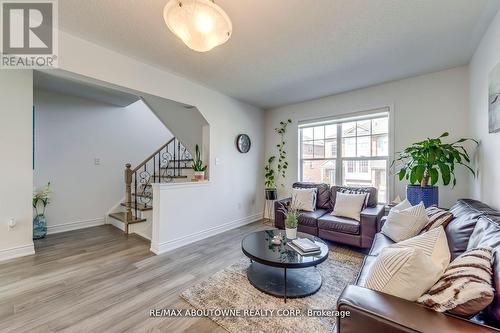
pixel 349 205
pixel 434 244
pixel 304 199
pixel 403 272
pixel 402 205
pixel 403 224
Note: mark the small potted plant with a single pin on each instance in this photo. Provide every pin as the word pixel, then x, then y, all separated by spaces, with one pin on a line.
pixel 430 160
pixel 198 167
pixel 40 198
pixel 291 220
pixel 270 183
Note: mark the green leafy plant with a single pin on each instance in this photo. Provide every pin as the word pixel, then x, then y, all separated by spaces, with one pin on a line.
pixel 269 173
pixel 282 162
pixel 291 215
pixel 41 197
pixel 429 159
pixel 197 162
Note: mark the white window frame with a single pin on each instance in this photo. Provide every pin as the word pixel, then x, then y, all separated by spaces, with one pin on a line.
pixel 363 115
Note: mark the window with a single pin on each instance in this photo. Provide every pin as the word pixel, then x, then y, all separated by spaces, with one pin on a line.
pixel 352 151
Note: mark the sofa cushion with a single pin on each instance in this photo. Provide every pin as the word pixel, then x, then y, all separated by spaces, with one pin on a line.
pixel 459 230
pixel 311 218
pixel 365 269
pixel 465 287
pixel 304 199
pixel 322 193
pixel 437 217
pixel 349 205
pixel 487 233
pixel 403 272
pixel 406 223
pixel 381 241
pixel 371 191
pixel 340 224
pixel 433 243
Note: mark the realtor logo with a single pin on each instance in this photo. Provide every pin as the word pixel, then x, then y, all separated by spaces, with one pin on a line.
pixel 29 33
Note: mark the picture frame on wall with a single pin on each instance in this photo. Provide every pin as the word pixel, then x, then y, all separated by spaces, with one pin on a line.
pixel 494 100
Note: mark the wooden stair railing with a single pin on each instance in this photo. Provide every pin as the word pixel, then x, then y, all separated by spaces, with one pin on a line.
pixel 163 166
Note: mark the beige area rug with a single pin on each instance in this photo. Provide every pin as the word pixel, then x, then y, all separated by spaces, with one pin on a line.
pixel 230 289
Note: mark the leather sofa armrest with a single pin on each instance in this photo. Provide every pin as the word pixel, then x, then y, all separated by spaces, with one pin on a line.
pixel 372 311
pixel 370 224
pixel 279 218
pixel 377 211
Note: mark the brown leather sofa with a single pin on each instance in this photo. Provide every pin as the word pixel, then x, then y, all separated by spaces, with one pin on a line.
pixel 474 224
pixel 338 229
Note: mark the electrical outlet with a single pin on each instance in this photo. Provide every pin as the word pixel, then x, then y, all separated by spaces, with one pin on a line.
pixel 12 224
pixel 97 161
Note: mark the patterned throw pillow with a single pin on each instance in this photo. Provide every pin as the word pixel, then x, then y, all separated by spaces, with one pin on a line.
pixel 465 287
pixel 402 272
pixel 357 191
pixel 437 217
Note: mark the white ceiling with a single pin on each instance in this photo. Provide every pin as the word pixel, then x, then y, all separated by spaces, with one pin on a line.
pixel 286 51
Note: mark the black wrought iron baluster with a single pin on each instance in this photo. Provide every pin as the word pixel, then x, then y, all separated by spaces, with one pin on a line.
pixel 175 157
pixel 179 159
pixel 145 184
pixel 154 169
pixel 159 167
pixel 135 191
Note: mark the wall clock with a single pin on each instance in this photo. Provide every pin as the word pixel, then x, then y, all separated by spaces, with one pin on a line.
pixel 243 143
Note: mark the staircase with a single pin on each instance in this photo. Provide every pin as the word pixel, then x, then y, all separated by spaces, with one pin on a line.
pixel 169 163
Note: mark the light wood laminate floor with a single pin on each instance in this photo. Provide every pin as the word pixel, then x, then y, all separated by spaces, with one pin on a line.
pixel 99 280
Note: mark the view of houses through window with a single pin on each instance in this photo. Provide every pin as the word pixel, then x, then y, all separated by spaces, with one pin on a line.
pixel 347 152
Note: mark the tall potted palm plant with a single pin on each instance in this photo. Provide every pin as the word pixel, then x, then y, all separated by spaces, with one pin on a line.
pixel 428 161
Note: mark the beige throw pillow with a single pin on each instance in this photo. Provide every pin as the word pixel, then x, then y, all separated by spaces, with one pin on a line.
pixel 402 205
pixel 349 205
pixel 304 199
pixel 434 244
pixel 402 272
pixel 403 224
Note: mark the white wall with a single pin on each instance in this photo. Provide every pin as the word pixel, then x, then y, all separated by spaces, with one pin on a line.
pixel 486 187
pixel 70 133
pixel 236 181
pixel 423 106
pixel 16 103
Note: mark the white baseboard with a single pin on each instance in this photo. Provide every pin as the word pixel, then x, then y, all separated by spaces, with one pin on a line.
pixel 54 229
pixel 160 248
pixel 18 251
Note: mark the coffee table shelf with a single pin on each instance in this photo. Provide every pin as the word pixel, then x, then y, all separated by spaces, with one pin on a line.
pixel 279 270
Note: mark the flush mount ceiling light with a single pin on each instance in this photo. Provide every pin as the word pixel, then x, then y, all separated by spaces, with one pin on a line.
pixel 200 24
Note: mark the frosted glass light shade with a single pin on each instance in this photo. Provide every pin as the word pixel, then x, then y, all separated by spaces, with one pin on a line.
pixel 200 24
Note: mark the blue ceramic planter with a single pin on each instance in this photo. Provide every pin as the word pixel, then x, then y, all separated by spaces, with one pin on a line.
pixel 429 195
pixel 39 227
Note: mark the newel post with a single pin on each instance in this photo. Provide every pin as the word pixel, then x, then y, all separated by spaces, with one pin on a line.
pixel 128 190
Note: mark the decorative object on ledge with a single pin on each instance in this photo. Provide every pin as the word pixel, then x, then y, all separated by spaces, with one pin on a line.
pixel 39 222
pixel 243 143
pixel 200 24
pixel 198 167
pixel 426 161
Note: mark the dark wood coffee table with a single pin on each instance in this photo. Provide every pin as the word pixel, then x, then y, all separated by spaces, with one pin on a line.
pixel 279 270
